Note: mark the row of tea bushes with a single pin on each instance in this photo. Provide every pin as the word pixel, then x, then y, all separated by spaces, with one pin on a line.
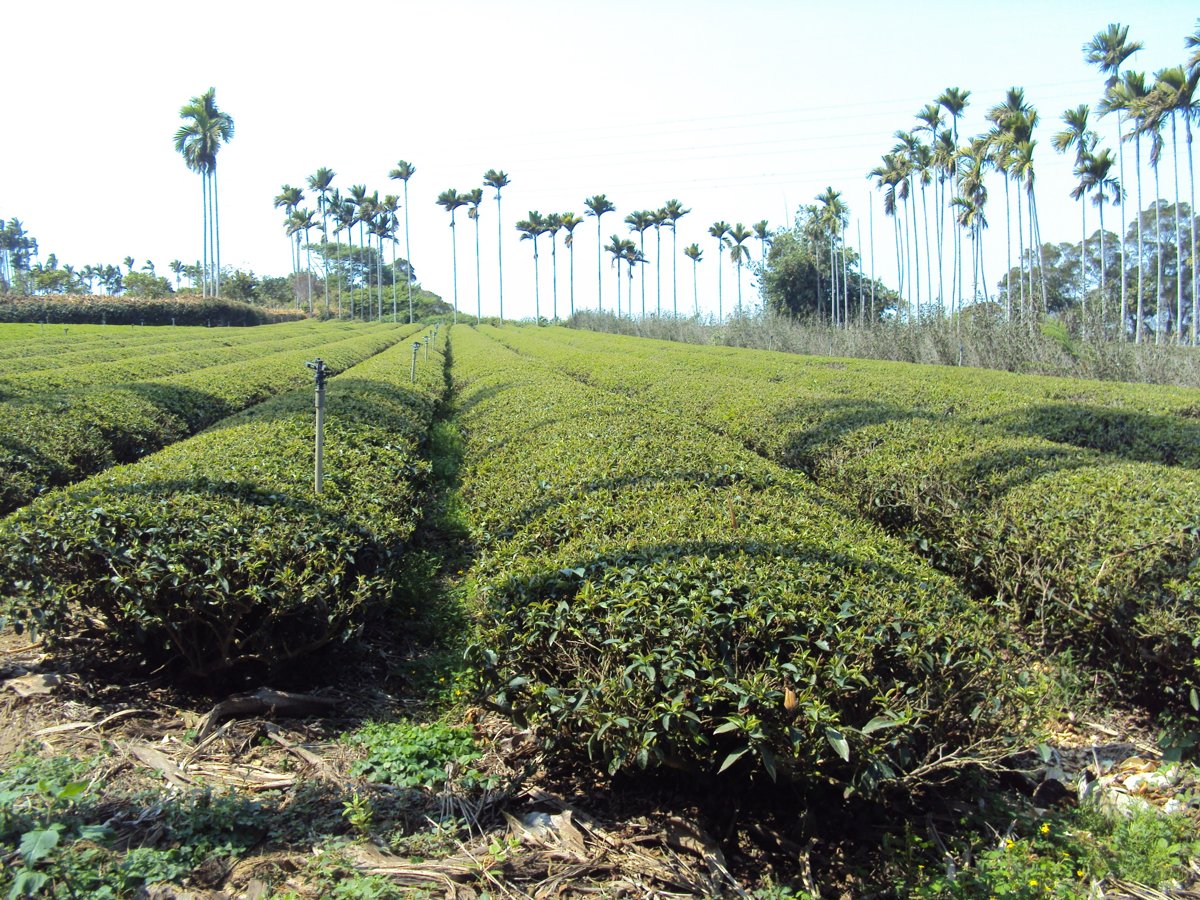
pixel 58 440
pixel 95 309
pixel 215 554
pixel 1092 551
pixel 135 342
pixel 1138 422
pixel 148 362
pixel 655 595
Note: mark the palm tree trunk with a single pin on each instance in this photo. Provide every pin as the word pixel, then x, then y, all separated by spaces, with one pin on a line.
pixel 916 250
pixel 658 270
pixel 554 273
pixel 478 276
pixel 537 289
pixel 720 289
pixel 500 252
pixel 395 300
pixel 1036 224
pixel 408 257
pixel 1020 254
pixel 600 271
pixel 1121 232
pixel 1103 274
pixel 1158 278
pixel 204 221
pixel 1192 218
pixel 1178 239
pixel 454 261
pixel 1083 261
pixel 928 256
pixel 1007 250
pixel 871 229
pixel 571 272
pixel 675 268
pixel 695 290
pixel 337 239
pixel 1141 254
pixel 642 235
pixel 216 232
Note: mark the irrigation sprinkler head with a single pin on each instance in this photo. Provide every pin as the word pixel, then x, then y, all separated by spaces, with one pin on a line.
pixel 319 372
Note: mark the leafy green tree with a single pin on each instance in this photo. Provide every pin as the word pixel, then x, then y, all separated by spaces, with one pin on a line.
pixel 498 180
pixel 597 206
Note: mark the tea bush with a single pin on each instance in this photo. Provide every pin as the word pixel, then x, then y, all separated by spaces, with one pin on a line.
pixel 58 438
pixel 655 595
pixel 215 554
pixel 1092 550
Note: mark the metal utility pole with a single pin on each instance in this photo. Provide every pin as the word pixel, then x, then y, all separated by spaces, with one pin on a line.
pixel 319 376
pixel 426 348
pixel 416 349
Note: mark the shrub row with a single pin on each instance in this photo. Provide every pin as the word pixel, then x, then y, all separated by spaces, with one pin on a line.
pixel 1138 422
pixel 57 353
pixel 215 554
pixel 58 440
pixel 654 595
pixel 1095 552
pixel 96 309
pixel 145 363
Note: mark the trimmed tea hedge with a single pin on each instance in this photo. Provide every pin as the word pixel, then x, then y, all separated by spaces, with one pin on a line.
pixel 655 595
pixel 96 308
pixel 126 344
pixel 149 361
pixel 60 439
pixel 1091 549
pixel 1138 422
pixel 215 554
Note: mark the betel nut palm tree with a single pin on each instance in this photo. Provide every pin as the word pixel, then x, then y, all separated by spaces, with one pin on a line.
pixel 694 253
pixel 451 200
pixel 322 182
pixel 720 230
pixel 474 197
pixel 597 206
pixel 531 229
pixel 570 222
pixel 498 180
pixel 206 128
pixel 673 211
pixel 1107 51
pixel 405 170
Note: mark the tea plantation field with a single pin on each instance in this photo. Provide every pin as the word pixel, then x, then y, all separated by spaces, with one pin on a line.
pixel 666 580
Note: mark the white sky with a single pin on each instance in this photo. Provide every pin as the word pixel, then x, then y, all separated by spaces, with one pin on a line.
pixel 742 110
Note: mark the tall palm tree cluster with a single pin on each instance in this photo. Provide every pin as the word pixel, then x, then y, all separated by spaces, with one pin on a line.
pixel 930 173
pixel 623 250
pixel 358 271
pixel 206 128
